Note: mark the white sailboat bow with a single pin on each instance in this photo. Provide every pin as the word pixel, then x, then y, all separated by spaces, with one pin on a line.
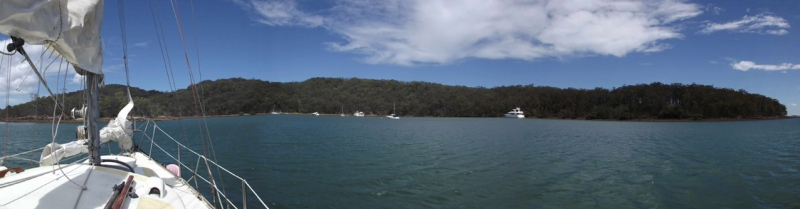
pixel 74 174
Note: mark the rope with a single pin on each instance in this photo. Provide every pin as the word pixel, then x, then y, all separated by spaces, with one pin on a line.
pixel 60 22
pixel 54 130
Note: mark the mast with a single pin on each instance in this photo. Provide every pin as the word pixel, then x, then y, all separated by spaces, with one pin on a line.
pixel 93 115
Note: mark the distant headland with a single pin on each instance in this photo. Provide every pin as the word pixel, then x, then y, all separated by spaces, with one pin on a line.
pixel 235 96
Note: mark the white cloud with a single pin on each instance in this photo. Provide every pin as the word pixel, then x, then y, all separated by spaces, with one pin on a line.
pixel 283 12
pixel 714 9
pixel 77 79
pixel 748 65
pixel 19 68
pixel 411 32
pixel 793 104
pixel 777 32
pixel 713 62
pixel 142 44
pixel 765 24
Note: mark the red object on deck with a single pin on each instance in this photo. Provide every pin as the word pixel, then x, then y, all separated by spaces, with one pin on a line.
pixel 123 193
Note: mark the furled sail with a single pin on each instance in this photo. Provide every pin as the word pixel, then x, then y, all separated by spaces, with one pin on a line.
pixel 119 130
pixel 71 28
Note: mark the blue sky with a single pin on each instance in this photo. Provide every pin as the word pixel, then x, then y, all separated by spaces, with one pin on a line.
pixel 749 45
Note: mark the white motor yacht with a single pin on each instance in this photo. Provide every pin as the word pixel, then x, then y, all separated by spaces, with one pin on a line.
pixel 515 113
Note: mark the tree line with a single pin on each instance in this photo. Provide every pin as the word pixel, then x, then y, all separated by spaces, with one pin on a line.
pixel 376 97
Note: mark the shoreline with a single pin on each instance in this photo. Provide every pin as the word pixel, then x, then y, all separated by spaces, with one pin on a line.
pixel 138 119
pixel 102 120
pixel 680 120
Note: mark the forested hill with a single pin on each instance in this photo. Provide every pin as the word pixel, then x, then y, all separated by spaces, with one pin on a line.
pixel 329 95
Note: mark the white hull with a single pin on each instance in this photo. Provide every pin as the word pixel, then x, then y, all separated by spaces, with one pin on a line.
pixel 514 116
pixel 393 115
pixel 515 113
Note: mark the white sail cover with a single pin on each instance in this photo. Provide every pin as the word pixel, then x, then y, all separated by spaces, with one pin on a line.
pixel 119 129
pixel 52 153
pixel 72 25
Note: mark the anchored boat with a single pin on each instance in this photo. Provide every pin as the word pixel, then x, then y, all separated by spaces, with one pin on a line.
pixel 393 116
pixel 515 113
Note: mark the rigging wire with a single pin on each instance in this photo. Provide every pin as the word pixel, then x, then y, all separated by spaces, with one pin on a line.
pixel 202 100
pixel 121 5
pixel 8 91
pixel 176 12
pixel 168 69
pixel 36 110
pixel 171 78
pixel 35 116
pixel 168 62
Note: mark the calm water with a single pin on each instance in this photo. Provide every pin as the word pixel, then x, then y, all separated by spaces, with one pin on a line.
pixel 335 162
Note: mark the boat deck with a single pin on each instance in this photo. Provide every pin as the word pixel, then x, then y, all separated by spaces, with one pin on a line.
pixel 57 187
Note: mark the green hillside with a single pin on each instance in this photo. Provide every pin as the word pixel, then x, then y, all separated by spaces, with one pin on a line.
pixel 328 95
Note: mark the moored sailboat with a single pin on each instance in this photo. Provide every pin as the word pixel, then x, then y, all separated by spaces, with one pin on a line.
pixel 393 115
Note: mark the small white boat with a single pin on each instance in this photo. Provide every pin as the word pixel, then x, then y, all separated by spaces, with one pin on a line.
pixel 273 110
pixel 359 114
pixel 393 116
pixel 342 110
pixel 515 113
pixel 315 114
